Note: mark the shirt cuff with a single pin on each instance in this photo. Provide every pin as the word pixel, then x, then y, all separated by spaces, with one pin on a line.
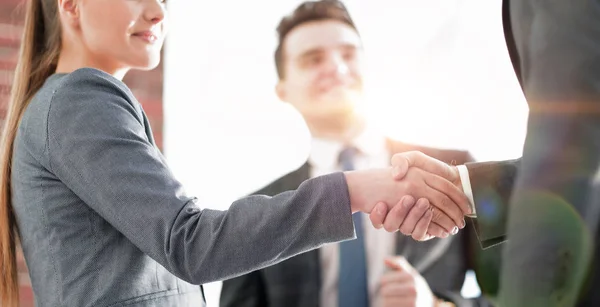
pixel 466 186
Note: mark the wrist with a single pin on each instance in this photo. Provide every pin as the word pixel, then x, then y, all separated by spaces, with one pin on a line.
pixel 352 181
pixel 465 186
pixel 457 182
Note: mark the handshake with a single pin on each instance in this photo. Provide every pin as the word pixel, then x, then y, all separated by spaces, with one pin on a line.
pixel 418 195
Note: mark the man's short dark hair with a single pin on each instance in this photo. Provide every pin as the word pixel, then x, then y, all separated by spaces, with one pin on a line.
pixel 306 12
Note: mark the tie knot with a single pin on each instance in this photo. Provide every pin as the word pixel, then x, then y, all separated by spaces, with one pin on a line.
pixel 346 158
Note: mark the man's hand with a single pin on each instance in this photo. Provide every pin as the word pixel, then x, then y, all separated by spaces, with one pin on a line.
pixel 402 162
pixel 403 286
pixel 368 188
pixel 441 222
pixel 417 222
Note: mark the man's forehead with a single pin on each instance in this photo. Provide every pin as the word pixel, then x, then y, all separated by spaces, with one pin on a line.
pixel 320 35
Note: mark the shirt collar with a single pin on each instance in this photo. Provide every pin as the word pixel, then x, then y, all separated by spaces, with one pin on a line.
pixel 324 153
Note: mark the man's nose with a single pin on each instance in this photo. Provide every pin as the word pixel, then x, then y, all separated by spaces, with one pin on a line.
pixel 337 66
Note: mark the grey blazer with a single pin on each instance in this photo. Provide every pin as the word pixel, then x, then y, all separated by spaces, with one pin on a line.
pixel 103 222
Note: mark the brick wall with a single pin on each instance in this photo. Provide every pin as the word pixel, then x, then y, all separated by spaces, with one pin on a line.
pixel 147 87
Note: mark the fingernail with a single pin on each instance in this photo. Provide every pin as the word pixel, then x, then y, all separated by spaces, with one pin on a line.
pixel 454 230
pixel 464 223
pixel 422 205
pixel 444 235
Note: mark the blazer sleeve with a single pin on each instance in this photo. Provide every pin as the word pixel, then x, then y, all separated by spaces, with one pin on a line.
pixel 98 147
pixel 249 290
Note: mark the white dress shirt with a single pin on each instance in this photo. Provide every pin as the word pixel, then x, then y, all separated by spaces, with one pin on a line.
pixel 466 185
pixel 378 244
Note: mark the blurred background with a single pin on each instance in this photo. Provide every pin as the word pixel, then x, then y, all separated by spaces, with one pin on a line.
pixel 438 74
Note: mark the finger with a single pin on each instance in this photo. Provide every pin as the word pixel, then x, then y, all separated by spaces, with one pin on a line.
pixel 399 301
pixel 449 189
pixel 447 206
pixel 403 161
pixel 416 213
pixel 395 263
pixel 428 237
pixel 378 214
pixel 436 231
pixel 422 225
pixel 443 221
pixel 396 277
pixel 398 213
pixel 399 263
pixel 397 290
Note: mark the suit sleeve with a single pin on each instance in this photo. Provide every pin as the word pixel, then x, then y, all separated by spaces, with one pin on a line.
pixel 248 290
pixel 492 186
pixel 99 149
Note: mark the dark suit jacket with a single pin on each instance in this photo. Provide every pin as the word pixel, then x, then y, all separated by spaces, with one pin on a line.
pixel 297 281
pixel 554 200
pixel 493 185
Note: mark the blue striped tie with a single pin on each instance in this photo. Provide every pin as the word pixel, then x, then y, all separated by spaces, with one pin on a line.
pixel 352 283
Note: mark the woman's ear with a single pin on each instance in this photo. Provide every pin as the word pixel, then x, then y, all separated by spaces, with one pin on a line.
pixel 69 10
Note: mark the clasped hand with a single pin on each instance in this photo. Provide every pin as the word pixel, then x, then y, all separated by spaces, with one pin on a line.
pixel 418 195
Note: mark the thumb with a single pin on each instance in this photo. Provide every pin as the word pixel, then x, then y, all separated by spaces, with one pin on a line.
pixel 396 263
pixel 400 166
pixel 401 162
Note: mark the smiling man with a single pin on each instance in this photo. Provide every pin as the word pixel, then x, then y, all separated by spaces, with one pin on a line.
pixel 319 63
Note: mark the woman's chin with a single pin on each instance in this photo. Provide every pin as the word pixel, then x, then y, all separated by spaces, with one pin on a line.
pixel 148 64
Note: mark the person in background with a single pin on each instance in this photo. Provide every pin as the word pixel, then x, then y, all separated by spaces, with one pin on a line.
pixel 319 61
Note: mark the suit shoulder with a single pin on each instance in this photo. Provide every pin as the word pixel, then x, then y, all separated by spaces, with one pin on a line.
pixel 93 79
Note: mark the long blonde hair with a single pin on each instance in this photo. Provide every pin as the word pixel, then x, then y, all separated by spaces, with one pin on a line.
pixel 40 48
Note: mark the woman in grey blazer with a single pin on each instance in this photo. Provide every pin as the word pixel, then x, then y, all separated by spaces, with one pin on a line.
pixel 100 217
